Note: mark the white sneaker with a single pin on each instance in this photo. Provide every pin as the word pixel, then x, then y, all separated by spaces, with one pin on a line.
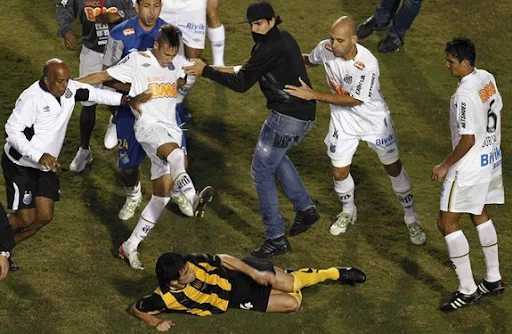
pixel 81 159
pixel 130 206
pixel 132 257
pixel 343 219
pixel 110 140
pixel 416 233
pixel 185 206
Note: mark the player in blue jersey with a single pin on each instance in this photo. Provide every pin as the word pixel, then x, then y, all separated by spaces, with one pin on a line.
pixel 136 34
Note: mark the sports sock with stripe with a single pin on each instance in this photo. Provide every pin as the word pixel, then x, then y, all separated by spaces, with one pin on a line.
pixel 147 220
pixel 489 242
pixel 458 250
pixel 308 276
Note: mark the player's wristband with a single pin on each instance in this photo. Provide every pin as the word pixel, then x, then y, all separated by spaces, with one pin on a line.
pixel 6 254
pixel 237 68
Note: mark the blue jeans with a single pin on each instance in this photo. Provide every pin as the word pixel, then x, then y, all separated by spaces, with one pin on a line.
pixel 402 21
pixel 278 134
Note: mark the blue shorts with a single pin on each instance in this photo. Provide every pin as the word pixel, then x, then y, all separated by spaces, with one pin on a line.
pixel 129 152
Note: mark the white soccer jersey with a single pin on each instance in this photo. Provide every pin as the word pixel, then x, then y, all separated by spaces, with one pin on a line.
pixel 359 78
pixel 144 72
pixel 39 121
pixel 475 109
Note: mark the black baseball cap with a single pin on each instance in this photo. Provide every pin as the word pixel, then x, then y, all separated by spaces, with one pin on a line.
pixel 259 10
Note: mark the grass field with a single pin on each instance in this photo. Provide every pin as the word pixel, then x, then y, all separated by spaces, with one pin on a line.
pixel 71 282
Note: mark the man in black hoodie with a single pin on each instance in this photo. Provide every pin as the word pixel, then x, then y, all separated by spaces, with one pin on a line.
pixel 276 61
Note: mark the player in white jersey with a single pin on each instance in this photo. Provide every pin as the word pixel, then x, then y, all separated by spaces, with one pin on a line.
pixel 472 172
pixel 35 134
pixel 192 17
pixel 358 112
pixel 158 71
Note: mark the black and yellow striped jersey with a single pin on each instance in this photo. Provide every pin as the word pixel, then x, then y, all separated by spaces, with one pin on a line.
pixel 208 294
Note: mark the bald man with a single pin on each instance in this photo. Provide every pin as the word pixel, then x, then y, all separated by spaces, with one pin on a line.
pixel 35 134
pixel 358 112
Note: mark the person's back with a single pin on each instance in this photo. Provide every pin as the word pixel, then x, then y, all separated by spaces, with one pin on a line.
pixel 477 103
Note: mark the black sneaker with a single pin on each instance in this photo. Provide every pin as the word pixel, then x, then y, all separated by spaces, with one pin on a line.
pixel 351 276
pixel 390 44
pixel 13 266
pixel 303 221
pixel 494 288
pixel 460 300
pixel 272 247
pixel 367 28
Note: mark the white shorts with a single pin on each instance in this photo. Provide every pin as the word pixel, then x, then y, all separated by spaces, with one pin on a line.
pixel 190 18
pixel 151 136
pixel 341 146
pixel 473 198
pixel 90 61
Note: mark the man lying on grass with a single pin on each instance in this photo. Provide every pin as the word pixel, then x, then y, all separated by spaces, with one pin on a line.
pixel 205 284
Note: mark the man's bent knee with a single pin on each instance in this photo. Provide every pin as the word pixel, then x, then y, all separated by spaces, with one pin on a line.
pixel 340 173
pixel 394 169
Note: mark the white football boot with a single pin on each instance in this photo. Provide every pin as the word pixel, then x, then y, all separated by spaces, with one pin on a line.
pixel 110 140
pixel 343 219
pixel 132 257
pixel 185 206
pixel 416 233
pixel 81 159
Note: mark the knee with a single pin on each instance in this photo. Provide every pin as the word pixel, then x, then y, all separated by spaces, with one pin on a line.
pixel 293 305
pixel 340 174
pixel 43 220
pixel 394 169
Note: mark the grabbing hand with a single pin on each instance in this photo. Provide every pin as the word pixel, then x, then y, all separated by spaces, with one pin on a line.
pixel 70 41
pixel 303 92
pixel 197 68
pixel 107 18
pixel 265 278
pixel 164 325
pixel 439 172
pixel 49 161
pixel 143 97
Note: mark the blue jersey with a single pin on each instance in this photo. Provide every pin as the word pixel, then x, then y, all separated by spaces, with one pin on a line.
pixel 129 37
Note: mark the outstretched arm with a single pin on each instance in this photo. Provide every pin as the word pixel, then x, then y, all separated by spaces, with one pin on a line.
pixel 95 78
pixel 159 324
pixel 307 93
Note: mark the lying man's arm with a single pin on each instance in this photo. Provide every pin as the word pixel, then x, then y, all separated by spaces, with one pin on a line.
pixel 145 308
pixel 264 278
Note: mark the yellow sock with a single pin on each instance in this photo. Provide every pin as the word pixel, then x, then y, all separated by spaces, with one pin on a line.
pixel 297 295
pixel 308 276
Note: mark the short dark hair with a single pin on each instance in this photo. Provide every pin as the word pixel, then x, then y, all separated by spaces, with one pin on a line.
pixel 168 268
pixel 462 48
pixel 138 1
pixel 170 35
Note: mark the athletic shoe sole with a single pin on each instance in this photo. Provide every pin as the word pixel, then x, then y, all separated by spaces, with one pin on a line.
pixel 205 197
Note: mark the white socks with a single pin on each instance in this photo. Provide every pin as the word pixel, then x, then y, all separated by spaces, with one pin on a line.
pixel 133 192
pixel 403 189
pixel 180 176
pixel 489 242
pixel 458 250
pixel 147 221
pixel 217 37
pixel 345 191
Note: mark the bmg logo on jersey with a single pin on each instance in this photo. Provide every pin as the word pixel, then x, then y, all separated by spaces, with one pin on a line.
pixel 493 158
pixel 388 141
pixel 196 28
pixel 166 89
pixel 91 11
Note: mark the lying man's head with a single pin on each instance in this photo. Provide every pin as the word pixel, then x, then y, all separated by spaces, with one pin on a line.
pixel 173 270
